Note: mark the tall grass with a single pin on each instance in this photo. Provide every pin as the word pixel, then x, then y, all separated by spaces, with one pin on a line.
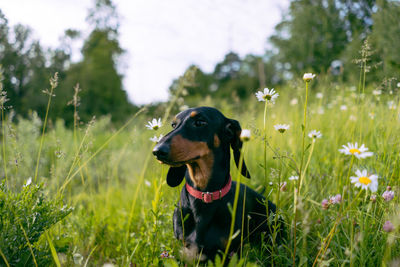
pixel 123 207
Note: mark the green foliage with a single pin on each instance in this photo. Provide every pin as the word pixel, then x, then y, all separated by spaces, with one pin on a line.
pixel 30 66
pixel 24 217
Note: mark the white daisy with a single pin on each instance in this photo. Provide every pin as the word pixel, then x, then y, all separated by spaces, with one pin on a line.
pixel 308 77
pixel 343 107
pixel 154 124
pixel 245 135
pixel 319 95
pixel 293 178
pixel 28 182
pixel 282 127
pixel 294 101
pixel 314 134
pixel 267 95
pixel 365 181
pixel 156 139
pixel 377 92
pixel 353 149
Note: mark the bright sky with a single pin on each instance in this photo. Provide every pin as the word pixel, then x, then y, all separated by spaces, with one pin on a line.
pixel 161 38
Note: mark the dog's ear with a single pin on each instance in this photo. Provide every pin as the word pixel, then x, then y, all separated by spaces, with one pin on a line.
pixel 233 129
pixel 175 175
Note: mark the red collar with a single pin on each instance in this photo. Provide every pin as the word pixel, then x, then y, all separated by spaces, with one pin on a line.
pixel 209 197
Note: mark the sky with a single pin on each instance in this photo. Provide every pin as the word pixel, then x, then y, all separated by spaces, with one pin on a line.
pixel 161 38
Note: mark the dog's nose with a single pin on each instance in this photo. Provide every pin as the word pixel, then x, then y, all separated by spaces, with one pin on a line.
pixel 161 151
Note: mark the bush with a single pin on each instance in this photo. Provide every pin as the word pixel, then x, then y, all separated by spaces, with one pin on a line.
pixel 24 217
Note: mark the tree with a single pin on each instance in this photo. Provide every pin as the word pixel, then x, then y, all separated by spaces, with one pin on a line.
pixel 311 37
pixel 385 37
pixel 97 74
pixel 232 78
pixel 24 64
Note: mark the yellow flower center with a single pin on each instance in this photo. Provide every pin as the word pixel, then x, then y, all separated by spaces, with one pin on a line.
pixel 354 150
pixel 364 180
pixel 267 97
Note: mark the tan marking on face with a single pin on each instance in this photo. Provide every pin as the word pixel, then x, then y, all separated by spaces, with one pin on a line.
pixel 194 113
pixel 198 157
pixel 183 149
pixel 200 170
pixel 217 142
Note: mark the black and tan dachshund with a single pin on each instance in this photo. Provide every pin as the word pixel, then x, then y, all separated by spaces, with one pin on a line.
pixel 198 148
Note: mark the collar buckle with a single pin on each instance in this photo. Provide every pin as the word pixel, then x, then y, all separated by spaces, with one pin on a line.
pixel 207 197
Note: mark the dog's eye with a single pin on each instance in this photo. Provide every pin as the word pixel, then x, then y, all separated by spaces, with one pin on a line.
pixel 199 123
pixel 173 125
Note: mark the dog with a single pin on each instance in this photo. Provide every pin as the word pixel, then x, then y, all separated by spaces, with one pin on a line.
pixel 198 149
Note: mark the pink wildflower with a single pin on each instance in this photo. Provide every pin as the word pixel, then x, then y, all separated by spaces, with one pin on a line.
pixel 325 204
pixel 388 227
pixel 336 199
pixel 388 195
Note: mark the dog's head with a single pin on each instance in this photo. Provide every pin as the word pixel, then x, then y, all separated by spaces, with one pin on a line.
pixel 199 136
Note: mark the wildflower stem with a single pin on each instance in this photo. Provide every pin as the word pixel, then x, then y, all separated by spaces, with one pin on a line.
pixel 53 85
pixel 265 157
pixel 348 180
pixel 242 230
pixel 363 90
pixel 351 242
pixel 4 143
pixel 300 175
pixel 265 143
pixel 304 136
pixel 364 74
pixel 308 162
pixel 235 204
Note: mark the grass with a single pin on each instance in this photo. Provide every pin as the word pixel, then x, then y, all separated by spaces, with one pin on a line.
pixel 123 207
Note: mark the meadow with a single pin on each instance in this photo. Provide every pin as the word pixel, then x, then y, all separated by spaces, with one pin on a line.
pixel 94 195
